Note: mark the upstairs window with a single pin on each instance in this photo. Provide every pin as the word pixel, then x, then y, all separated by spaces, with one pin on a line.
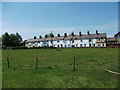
pixel 99 39
pixel 81 40
pixel 72 41
pixel 89 40
pixel 58 41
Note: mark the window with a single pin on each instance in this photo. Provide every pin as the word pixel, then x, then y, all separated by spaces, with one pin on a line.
pixel 99 39
pixel 103 44
pixel 72 41
pixel 64 41
pixel 81 40
pixel 84 45
pixel 73 46
pixel 58 46
pixel 80 45
pixel 65 45
pixel 89 40
pixel 68 45
pixel 94 45
pixel 99 45
pixel 76 45
pixel 58 41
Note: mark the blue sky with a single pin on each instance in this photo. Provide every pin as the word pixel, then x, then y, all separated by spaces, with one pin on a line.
pixel 39 18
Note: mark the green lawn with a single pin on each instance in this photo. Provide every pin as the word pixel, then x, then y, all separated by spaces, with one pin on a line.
pixel 56 68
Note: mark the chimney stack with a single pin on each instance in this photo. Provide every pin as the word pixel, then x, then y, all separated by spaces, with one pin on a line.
pixel 72 34
pixel 34 37
pixel 97 32
pixel 58 35
pixel 80 33
pixel 65 34
pixel 88 32
pixel 46 36
pixel 40 37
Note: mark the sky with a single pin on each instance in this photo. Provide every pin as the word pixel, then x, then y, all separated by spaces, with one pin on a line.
pixel 31 19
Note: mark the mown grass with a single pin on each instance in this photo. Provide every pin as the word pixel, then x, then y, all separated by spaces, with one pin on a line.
pixel 56 68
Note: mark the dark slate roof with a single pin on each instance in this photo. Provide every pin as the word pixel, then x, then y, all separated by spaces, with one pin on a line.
pixel 100 35
pixel 111 39
pixel 32 40
pixel 84 36
pixel 69 37
pixel 58 38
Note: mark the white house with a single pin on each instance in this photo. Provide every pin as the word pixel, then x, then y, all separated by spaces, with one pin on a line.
pixel 81 40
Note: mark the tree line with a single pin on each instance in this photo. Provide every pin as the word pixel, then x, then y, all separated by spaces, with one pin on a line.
pixel 12 40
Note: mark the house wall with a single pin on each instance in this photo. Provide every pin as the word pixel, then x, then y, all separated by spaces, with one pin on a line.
pixel 101 42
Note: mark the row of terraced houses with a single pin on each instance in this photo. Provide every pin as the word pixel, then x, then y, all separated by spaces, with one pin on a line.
pixel 80 40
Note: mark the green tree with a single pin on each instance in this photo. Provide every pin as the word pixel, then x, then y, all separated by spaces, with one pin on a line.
pixel 11 40
pixel 14 40
pixel 6 39
pixel 19 39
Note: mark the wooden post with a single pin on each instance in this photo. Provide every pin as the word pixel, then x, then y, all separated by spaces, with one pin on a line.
pixel 74 64
pixel 8 63
pixel 36 62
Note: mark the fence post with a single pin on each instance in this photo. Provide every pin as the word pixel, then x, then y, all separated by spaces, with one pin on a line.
pixel 8 63
pixel 36 62
pixel 74 64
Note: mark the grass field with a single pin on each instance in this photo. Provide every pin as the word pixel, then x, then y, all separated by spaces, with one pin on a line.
pixel 55 68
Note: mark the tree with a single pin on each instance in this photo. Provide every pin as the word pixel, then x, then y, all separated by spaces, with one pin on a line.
pixel 19 38
pixel 24 42
pixel 14 40
pixel 6 39
pixel 11 40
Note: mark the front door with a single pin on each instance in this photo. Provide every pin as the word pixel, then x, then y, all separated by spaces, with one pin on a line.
pixel 61 45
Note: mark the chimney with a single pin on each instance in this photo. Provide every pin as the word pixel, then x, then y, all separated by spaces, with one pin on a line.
pixel 72 34
pixel 34 37
pixel 46 36
pixel 65 34
pixel 58 35
pixel 80 33
pixel 97 32
pixel 88 33
pixel 40 37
